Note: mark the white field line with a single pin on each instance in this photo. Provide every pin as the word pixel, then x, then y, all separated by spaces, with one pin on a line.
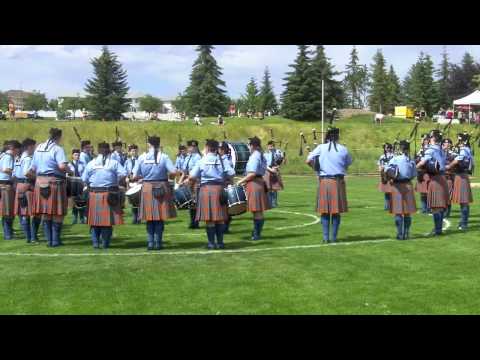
pixel 316 220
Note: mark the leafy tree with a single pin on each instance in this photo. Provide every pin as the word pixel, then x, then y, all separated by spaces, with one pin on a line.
pixel 355 82
pixel 267 100
pixel 73 103
pixel 251 98
pixel 394 91
pixel 108 89
pixel 53 105
pixel 444 99
pixel 379 83
pixel 179 104
pixel 36 101
pixel 150 104
pixel 297 98
pixel 205 94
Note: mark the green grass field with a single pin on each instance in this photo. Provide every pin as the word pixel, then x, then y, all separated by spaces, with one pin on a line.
pixel 288 272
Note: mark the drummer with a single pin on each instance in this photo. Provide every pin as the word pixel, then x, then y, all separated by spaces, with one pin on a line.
pixel 257 201
pixel 7 194
pixel 211 172
pixel 103 175
pixel 181 156
pixel 129 166
pixel 76 168
pixel 193 156
pixel 224 152
pixel 272 176
pixel 156 203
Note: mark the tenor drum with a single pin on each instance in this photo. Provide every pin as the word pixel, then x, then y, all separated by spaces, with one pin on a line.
pixel 134 194
pixel 240 155
pixel 74 186
pixel 237 200
pixel 184 198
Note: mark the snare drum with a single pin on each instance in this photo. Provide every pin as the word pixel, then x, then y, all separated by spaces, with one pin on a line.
pixel 184 198
pixel 134 194
pixel 74 186
pixel 237 199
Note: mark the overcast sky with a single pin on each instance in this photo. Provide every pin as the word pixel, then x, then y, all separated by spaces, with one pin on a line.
pixel 163 70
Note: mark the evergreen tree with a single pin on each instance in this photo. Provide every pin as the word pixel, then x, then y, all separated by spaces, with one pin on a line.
pixel 251 98
pixel 204 95
pixel 267 101
pixel 394 91
pixel 444 100
pixel 462 76
pixel 379 83
pixel 108 88
pixel 322 69
pixel 355 82
pixel 297 98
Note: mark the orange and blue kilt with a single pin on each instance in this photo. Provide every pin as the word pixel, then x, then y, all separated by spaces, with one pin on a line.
pixel 331 196
pixel 7 200
pixel 208 204
pixel 385 188
pixel 462 192
pixel 100 213
pixel 437 195
pixel 57 202
pixel 257 199
pixel 276 185
pixel 27 190
pixel 153 209
pixel 402 201
pixel 422 186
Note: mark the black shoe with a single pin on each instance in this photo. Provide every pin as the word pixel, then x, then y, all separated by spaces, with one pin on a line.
pixel 150 247
pixel 462 228
pixel 221 246
pixel 211 246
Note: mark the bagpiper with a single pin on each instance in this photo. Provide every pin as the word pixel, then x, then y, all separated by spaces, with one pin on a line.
pixel 86 154
pixel 79 202
pixel 102 175
pixel 331 161
pixel 211 172
pixel 25 181
pixel 423 177
pixel 400 170
pixel 272 177
pixel 447 145
pixel 130 164
pixel 193 156
pixel 7 192
pixel 462 192
pixel 156 202
pixel 433 162
pixel 384 185
pixel 117 153
pixel 257 200
pixel 225 154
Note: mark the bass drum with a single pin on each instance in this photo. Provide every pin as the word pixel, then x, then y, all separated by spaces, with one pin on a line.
pixel 240 155
pixel 134 194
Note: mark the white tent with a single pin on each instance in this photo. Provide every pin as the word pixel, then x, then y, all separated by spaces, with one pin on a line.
pixel 472 99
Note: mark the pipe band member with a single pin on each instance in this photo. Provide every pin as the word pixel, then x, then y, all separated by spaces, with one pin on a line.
pixel 211 171
pixel 447 145
pixel 437 191
pixel 225 153
pixel 25 180
pixel 156 203
pixel 103 175
pixel 117 153
pixel 193 156
pixel 382 163
pixel 257 200
pixel 330 161
pixel 87 152
pixel 423 178
pixel 462 191
pixel 402 201
pixel 130 164
pixel 76 168
pixel 7 193
pixel 50 194
pixel 272 177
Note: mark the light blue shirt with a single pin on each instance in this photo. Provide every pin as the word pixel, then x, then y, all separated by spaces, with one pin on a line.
pixel 256 163
pixel 80 166
pixel 384 160
pixel 23 166
pixel 47 159
pixel 148 170
pixel 435 152
pixel 209 169
pixel 7 162
pixel 119 157
pixel 228 158
pixel 464 154
pixel 275 154
pixel 85 158
pixel 190 161
pixel 130 164
pixel 406 167
pixel 180 161
pixel 331 162
pixel 98 175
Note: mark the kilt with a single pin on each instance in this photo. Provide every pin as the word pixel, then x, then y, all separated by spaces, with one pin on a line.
pixel 385 188
pixel 152 209
pixel 402 201
pixel 256 196
pixel 7 200
pixel 57 202
pixel 450 187
pixel 437 192
pixel 331 196
pixel 208 204
pixel 273 185
pixel 195 191
pixel 100 213
pixel 462 192
pixel 27 189
pixel 422 187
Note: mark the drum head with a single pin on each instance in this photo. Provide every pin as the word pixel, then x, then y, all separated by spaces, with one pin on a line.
pixel 237 209
pixel 133 190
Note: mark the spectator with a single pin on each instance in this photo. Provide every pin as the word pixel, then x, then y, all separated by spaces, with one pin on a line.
pixel 196 120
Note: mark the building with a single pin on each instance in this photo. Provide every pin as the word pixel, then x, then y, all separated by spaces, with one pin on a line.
pixel 18 97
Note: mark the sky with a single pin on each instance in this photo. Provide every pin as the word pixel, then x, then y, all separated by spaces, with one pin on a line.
pixel 163 70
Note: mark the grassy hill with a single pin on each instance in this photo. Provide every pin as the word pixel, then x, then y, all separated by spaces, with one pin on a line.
pixel 363 138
